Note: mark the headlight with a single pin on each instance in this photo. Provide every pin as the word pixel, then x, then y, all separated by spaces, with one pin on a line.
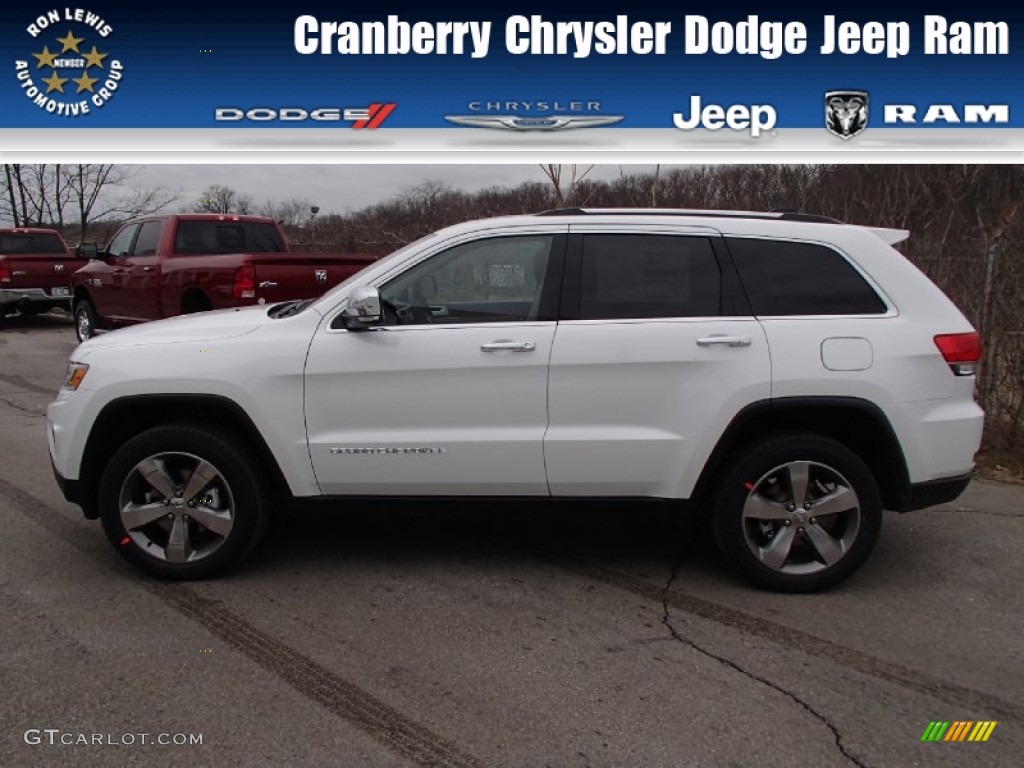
pixel 75 375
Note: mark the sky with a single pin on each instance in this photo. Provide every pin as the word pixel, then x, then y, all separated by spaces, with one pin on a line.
pixel 338 188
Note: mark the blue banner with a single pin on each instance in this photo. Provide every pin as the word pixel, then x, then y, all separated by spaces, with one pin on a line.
pixel 333 66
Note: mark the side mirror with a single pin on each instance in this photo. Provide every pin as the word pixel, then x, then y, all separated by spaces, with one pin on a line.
pixel 363 309
pixel 87 251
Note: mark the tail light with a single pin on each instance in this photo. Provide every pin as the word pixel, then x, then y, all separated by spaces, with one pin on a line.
pixel 961 351
pixel 5 272
pixel 245 283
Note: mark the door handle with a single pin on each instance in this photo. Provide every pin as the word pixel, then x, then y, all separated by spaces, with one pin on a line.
pixel 147 269
pixel 727 341
pixel 514 346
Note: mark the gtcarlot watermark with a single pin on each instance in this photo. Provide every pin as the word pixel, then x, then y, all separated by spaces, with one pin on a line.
pixel 57 737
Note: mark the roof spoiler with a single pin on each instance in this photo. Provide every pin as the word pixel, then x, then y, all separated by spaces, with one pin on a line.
pixel 890 236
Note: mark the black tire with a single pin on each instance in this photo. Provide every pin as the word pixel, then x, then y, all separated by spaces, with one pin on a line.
pixel 240 494
pixel 762 482
pixel 86 320
pixel 193 302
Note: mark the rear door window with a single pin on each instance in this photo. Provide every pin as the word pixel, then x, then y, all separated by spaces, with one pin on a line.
pixel 646 276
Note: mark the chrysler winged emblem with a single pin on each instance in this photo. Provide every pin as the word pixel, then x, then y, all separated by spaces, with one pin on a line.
pixel 321 275
pixel 534 123
pixel 846 113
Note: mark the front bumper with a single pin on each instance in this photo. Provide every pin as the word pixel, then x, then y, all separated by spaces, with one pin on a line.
pixel 937 491
pixel 72 489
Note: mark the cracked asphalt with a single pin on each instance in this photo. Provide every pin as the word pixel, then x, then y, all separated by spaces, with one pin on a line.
pixel 491 634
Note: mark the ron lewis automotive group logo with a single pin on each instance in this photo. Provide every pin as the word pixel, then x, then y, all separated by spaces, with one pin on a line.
pixel 69 70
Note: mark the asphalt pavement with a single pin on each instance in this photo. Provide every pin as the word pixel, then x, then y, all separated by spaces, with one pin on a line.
pixel 490 635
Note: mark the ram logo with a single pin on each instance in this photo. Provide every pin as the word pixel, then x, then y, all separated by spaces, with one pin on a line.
pixel 846 113
pixel 320 275
pixel 908 114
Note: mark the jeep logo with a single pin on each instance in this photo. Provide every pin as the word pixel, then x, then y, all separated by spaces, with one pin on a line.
pixel 753 118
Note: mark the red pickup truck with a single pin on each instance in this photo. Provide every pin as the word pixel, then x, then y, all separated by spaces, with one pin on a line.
pixel 159 266
pixel 35 271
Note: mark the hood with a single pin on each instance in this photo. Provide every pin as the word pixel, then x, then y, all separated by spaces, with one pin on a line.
pixel 202 326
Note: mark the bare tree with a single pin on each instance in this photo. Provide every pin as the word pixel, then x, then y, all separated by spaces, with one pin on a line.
pixel 55 194
pixel 100 192
pixel 293 212
pixel 574 192
pixel 218 198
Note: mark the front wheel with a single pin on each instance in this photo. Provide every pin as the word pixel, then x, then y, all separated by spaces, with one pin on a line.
pixel 86 322
pixel 183 502
pixel 797 513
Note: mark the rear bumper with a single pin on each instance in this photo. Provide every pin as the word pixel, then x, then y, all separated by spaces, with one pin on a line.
pixel 936 491
pixel 17 296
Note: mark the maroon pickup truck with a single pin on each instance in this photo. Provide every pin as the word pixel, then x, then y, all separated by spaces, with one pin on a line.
pixel 35 271
pixel 159 266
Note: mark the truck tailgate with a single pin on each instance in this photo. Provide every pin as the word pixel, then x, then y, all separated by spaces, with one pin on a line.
pixel 285 276
pixel 50 271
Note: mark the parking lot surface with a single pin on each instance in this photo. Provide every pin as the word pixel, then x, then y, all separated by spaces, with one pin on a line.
pixel 490 635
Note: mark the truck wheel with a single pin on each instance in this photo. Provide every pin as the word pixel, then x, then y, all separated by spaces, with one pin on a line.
pixel 86 322
pixel 797 513
pixel 183 502
pixel 194 301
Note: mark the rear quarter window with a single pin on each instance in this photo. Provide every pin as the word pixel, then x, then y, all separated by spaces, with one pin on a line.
pixel 784 278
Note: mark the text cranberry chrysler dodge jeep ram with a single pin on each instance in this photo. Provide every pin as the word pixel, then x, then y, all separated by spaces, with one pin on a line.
pixel 791 374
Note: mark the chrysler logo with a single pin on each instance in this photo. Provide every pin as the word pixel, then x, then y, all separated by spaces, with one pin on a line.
pixel 534 122
pixel 321 275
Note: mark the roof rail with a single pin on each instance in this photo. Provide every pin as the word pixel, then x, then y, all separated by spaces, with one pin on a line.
pixel 784 214
pixel 562 212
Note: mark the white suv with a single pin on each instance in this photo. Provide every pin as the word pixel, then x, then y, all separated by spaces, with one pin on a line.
pixel 788 374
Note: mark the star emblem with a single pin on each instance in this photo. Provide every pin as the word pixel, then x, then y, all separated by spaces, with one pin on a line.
pixel 70 42
pixel 85 83
pixel 45 58
pixel 94 59
pixel 55 83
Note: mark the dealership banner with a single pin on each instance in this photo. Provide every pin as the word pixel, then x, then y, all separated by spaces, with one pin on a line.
pixel 336 77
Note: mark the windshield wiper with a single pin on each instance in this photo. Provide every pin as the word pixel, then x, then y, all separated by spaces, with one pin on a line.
pixel 289 308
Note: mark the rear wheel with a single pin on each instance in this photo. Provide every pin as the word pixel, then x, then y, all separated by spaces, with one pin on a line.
pixel 183 502
pixel 194 301
pixel 86 322
pixel 797 513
